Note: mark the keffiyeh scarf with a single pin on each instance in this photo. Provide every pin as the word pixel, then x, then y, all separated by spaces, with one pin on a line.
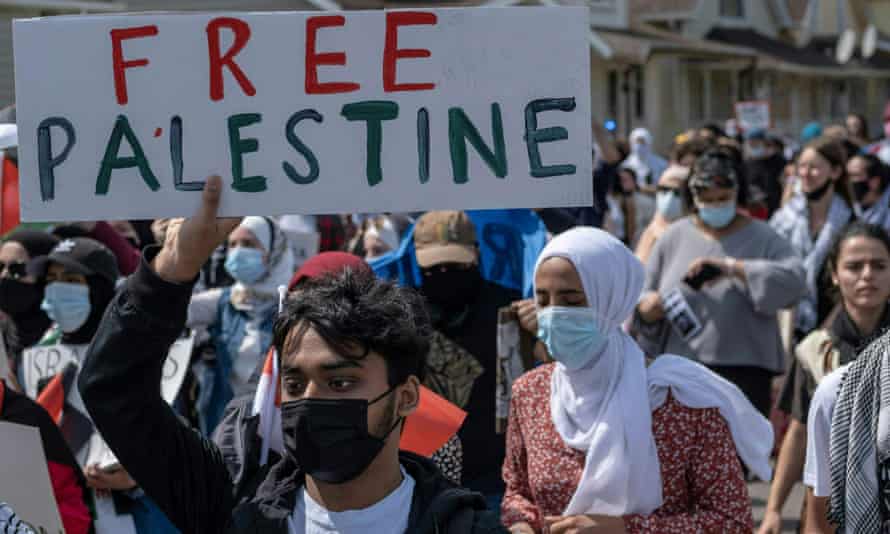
pixel 860 445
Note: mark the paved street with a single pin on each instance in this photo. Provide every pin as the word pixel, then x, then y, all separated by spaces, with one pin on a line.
pixel 759 492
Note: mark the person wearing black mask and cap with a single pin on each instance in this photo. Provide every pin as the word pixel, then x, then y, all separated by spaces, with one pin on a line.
pixel 20 292
pixel 464 309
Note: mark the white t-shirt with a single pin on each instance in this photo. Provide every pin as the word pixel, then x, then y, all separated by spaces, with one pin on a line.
pixel 817 470
pixel 389 516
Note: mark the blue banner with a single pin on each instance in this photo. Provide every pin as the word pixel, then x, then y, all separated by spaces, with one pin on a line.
pixel 510 242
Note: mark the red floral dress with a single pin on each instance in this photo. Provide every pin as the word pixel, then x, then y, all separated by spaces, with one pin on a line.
pixel 704 489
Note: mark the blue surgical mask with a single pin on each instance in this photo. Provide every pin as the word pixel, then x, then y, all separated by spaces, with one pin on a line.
pixel 67 304
pixel 669 205
pixel 245 264
pixel 572 335
pixel 717 216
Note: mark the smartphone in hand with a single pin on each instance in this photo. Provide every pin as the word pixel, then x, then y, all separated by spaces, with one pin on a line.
pixel 707 273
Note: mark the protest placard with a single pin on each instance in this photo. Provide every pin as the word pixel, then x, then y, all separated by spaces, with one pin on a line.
pixel 25 488
pixel 303 112
pixel 753 115
pixel 43 362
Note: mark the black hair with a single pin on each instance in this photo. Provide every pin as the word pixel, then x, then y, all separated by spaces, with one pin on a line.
pixel 875 167
pixel 694 147
pixel 714 129
pixel 356 310
pixel 852 231
pixel 11 343
pixel 863 121
pixel 10 336
pixel 722 161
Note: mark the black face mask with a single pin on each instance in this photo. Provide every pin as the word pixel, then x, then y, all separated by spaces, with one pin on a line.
pixel 451 287
pixel 329 439
pixel 815 196
pixel 17 297
pixel 860 190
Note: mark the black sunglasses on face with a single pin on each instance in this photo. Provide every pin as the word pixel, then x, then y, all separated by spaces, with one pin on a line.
pixel 666 189
pixel 16 269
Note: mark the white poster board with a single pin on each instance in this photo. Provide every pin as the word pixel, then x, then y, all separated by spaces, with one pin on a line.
pixel 360 111
pixel 24 479
pixel 43 362
pixel 753 115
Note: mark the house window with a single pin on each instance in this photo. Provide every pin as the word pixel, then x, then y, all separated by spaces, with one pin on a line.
pixel 732 8
pixel 722 95
pixel 613 94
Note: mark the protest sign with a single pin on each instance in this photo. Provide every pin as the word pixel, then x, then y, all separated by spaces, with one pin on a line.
pixel 175 367
pixel 25 487
pixel 44 362
pixel 753 115
pixel 303 112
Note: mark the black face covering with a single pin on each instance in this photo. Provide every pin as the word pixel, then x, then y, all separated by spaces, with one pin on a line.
pixel 329 439
pixel 451 287
pixel 860 190
pixel 17 297
pixel 815 196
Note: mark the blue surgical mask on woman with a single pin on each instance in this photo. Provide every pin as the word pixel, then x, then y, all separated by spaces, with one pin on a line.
pixel 245 264
pixel 717 216
pixel 572 335
pixel 669 205
pixel 67 304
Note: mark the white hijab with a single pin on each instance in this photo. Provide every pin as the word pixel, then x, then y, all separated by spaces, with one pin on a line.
pixel 606 407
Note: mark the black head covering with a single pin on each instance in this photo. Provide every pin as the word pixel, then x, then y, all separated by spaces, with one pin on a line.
pixel 33 322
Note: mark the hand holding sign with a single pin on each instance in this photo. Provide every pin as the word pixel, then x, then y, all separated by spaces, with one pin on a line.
pixel 190 243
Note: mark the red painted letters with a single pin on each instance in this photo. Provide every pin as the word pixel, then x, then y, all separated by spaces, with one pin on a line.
pixel 313 59
pixel 218 61
pixel 120 65
pixel 392 53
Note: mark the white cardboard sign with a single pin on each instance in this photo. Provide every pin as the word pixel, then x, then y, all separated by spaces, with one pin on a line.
pixel 43 362
pixel 25 488
pixel 753 115
pixel 467 108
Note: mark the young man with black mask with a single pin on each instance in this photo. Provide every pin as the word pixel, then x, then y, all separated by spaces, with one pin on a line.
pixel 464 310
pixel 869 179
pixel 353 351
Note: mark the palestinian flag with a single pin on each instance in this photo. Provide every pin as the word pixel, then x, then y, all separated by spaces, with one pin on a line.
pixel 9 180
pixel 76 427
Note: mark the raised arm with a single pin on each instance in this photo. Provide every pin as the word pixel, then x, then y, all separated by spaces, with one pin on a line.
pixel 119 382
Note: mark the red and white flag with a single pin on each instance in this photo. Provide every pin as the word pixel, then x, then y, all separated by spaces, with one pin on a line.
pixel 9 180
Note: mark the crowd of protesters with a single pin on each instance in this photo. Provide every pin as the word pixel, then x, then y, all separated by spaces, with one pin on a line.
pixel 659 319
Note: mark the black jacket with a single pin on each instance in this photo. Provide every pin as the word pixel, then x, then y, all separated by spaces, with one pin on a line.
pixel 186 474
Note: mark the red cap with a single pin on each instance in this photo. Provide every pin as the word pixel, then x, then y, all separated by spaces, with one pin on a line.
pixel 327 263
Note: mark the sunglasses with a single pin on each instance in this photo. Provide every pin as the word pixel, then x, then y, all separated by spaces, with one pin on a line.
pixel 666 189
pixel 16 269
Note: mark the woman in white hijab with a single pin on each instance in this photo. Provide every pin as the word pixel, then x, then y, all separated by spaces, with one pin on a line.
pixel 239 318
pixel 647 165
pixel 598 442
